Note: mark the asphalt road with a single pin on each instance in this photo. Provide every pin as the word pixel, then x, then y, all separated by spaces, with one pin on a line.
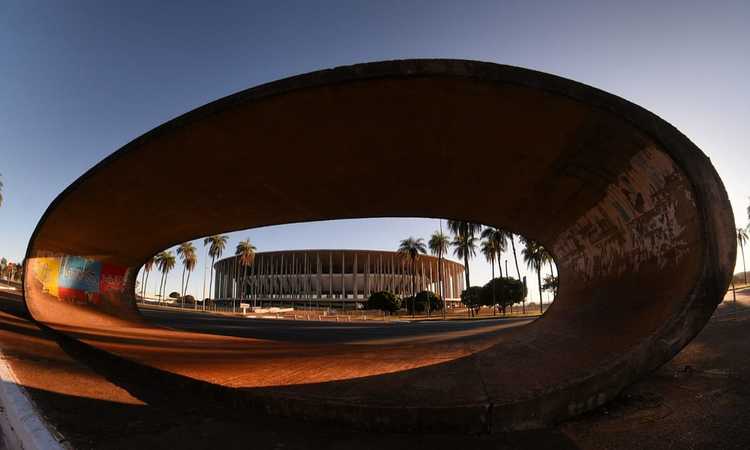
pixel 365 333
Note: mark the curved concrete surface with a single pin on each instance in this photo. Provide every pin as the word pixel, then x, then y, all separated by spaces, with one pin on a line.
pixel 635 215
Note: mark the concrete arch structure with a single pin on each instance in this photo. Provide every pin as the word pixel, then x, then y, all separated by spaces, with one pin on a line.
pixel 339 277
pixel 634 213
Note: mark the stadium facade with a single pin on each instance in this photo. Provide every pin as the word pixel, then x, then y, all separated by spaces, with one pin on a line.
pixel 332 276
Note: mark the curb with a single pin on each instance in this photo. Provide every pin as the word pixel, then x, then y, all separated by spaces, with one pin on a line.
pixel 22 425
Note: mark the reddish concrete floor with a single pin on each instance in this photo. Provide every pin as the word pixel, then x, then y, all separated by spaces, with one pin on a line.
pixel 428 385
pixel 95 405
pixel 698 400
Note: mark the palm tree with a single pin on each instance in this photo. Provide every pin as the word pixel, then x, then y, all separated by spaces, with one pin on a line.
pixel 511 237
pixel 411 248
pixel 546 258
pixel 147 266
pixel 190 262
pixel 187 252
pixel 742 239
pixel 465 247
pixel 499 238
pixel 158 262
pixel 439 244
pixel 464 239
pixel 533 255
pixel 165 261
pixel 245 252
pixel 216 243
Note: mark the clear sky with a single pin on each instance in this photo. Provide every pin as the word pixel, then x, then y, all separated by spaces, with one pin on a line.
pixel 80 79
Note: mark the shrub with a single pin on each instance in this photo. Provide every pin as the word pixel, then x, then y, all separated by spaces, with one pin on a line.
pixel 174 295
pixel 423 299
pixel 384 301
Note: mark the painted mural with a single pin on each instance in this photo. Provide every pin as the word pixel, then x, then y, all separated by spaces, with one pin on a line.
pixel 78 279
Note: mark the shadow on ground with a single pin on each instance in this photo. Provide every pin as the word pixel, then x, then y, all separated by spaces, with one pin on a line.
pixel 698 400
pixel 182 413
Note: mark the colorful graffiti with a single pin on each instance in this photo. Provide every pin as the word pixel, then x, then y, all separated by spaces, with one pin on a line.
pixel 78 279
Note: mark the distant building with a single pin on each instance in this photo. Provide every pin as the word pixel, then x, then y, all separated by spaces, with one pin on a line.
pixel 307 277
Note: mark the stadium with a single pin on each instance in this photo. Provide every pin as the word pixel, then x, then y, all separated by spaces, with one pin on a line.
pixel 332 277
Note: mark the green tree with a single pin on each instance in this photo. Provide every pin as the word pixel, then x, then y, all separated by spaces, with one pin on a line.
pixel 472 298
pixel 245 252
pixel 412 248
pixel 503 291
pixel 165 261
pixel 464 241
pixel 217 243
pixel 147 267
pixel 187 253
pixel 3 266
pixel 439 244
pixel 550 284
pixel 423 299
pixel 384 301
pixel 742 240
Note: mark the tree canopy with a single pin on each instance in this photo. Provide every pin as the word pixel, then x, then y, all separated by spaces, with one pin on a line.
pixel 472 297
pixel 508 291
pixel 384 301
pixel 424 298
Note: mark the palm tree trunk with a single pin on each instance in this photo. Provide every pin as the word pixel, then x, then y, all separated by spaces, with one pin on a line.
pixel 494 302
pixel 211 280
pixel 143 277
pixel 499 266
pixel 204 276
pixel 440 280
pixel 187 281
pixel 515 257
pixel 744 269
pixel 161 283
pixel 164 288
pixel 518 270
pixel 182 288
pixel 539 282
pixel 413 294
pixel 144 284
pixel 466 266
pixel 552 274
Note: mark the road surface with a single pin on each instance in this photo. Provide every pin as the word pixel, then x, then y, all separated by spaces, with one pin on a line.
pixel 372 332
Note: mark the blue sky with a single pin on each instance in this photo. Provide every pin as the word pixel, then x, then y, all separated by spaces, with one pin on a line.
pixel 80 79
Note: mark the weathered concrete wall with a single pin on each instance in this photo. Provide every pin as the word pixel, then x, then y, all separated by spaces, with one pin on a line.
pixel 634 213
